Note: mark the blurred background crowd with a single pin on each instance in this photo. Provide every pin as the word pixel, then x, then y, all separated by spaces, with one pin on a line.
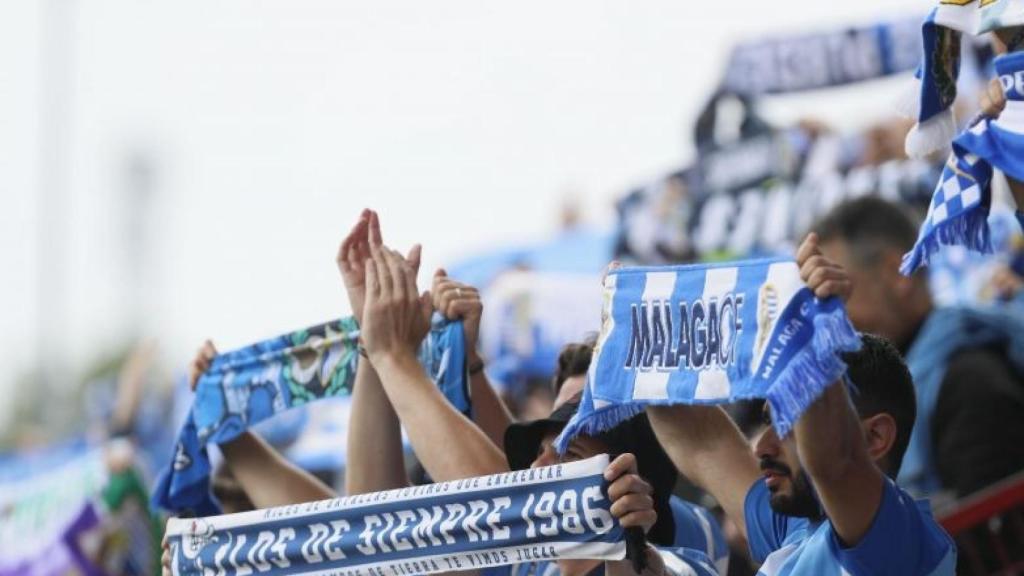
pixel 178 171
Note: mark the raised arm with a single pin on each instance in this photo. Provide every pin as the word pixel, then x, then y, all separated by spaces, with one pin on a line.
pixel 395 321
pixel 458 301
pixel 265 476
pixel 708 448
pixel 829 437
pixel 374 458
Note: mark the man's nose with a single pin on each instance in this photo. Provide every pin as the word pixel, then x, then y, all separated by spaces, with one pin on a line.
pixel 767 444
pixel 546 458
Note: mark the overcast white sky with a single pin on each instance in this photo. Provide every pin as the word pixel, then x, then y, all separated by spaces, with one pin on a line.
pixel 270 124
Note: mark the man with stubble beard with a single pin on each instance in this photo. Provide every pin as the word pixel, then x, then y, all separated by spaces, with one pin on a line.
pixel 821 501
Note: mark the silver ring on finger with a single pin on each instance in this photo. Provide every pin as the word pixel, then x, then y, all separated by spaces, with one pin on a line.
pixel 458 292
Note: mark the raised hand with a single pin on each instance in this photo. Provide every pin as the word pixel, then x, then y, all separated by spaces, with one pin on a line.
pixel 823 276
pixel 396 317
pixel 354 253
pixel 458 301
pixel 631 495
pixel 351 259
pixel 201 363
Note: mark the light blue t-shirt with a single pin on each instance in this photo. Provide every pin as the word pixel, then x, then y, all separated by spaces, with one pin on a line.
pixel 697 529
pixel 904 540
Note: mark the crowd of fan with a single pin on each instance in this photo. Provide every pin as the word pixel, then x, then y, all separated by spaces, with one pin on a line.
pixel 823 500
pixel 820 500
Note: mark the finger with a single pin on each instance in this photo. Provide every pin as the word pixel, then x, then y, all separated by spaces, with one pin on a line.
pixel 631 503
pixel 823 273
pixel 440 277
pixel 358 254
pixel 625 463
pixel 414 257
pixel 445 291
pixel 987 107
pixel 425 309
pixel 372 281
pixel 196 369
pixel 464 308
pixel 385 282
pixel 373 235
pixel 628 484
pixel 460 300
pixel 396 267
pixel 357 233
pixel 460 295
pixel 344 250
pixel 444 284
pixel 643 520
pixel 410 279
pixel 810 265
pixel 841 288
pixel 808 248
pixel 447 296
pixel 993 100
pixel 208 350
pixel 996 94
pixel 457 289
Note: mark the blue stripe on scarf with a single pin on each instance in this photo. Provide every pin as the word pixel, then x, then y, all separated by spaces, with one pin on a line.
pixel 783 345
pixel 249 385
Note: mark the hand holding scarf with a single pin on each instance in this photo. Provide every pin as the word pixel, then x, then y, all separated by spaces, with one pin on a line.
pixel 714 334
pixel 958 214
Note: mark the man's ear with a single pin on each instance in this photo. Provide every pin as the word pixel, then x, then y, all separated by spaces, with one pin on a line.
pixel 879 435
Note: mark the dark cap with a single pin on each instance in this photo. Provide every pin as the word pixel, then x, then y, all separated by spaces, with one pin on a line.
pixel 634 436
pixel 522 440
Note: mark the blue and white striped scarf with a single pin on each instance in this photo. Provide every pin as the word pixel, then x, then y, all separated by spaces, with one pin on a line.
pixel 551 513
pixel 711 334
pixel 256 382
pixel 940 67
pixel 958 214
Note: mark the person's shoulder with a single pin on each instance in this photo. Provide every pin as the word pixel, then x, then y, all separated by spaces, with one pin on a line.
pixel 978 356
pixel 977 372
pixel 904 538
